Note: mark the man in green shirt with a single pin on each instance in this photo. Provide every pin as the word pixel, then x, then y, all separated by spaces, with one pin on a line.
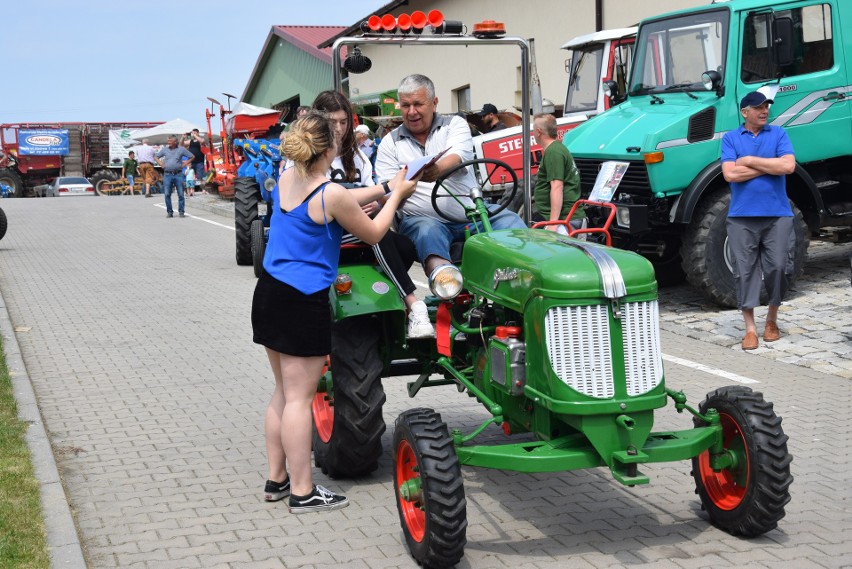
pixel 557 186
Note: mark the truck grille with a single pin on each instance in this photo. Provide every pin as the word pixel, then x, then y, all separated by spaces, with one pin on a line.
pixel 579 349
pixel 635 180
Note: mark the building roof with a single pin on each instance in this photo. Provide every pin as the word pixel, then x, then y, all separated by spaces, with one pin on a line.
pixel 307 38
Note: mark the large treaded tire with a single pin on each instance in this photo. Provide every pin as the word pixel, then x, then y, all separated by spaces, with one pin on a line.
pixel 246 199
pixel 11 178
pixel 101 177
pixel 258 246
pixel 433 519
pixel 704 250
pixel 347 438
pixel 4 224
pixel 749 498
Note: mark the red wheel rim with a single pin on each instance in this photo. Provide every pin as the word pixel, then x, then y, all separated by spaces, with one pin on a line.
pixel 323 416
pixel 727 488
pixel 323 411
pixel 412 513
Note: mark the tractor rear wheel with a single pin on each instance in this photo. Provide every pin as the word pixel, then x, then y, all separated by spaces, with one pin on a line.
pixel 4 224
pixel 348 421
pixel 258 246
pixel 246 199
pixel 429 489
pixel 100 179
pixel 11 178
pixel 748 498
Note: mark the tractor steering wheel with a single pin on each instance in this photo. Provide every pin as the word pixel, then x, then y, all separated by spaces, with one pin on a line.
pixel 492 186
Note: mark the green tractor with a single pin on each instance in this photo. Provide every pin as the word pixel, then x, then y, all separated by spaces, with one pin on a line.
pixel 555 337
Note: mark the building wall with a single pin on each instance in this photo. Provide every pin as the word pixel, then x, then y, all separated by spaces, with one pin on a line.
pixel 492 72
pixel 288 72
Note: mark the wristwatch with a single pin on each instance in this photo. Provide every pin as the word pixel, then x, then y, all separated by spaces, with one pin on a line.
pixel 386 187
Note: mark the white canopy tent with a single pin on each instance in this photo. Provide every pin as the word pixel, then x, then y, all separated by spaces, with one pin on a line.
pixel 160 133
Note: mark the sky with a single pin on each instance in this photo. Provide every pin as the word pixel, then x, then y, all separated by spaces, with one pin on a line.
pixel 120 61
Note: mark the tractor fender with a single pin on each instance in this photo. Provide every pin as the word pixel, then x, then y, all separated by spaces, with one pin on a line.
pixel 372 292
pixel 801 188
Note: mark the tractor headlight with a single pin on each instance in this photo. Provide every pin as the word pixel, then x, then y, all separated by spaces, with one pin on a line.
pixel 446 282
pixel 622 216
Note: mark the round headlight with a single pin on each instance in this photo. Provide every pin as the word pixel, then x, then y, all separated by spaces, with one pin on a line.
pixel 446 282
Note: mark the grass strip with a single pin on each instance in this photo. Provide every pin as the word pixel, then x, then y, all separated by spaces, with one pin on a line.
pixel 22 535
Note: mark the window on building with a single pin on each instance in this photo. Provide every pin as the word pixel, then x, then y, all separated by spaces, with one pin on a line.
pixel 462 98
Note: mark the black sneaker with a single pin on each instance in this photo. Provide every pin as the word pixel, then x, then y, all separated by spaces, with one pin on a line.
pixel 275 491
pixel 181 214
pixel 320 499
pixel 170 215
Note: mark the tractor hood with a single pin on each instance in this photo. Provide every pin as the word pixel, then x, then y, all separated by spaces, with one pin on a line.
pixel 512 266
pixel 635 124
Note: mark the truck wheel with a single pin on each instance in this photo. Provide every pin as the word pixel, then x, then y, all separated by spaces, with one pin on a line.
pixel 747 499
pixel 246 199
pixel 4 224
pixel 348 421
pixel 100 179
pixel 11 178
pixel 429 489
pixel 258 246
pixel 705 253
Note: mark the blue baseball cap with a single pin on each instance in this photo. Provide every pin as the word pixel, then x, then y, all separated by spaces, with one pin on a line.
pixel 754 99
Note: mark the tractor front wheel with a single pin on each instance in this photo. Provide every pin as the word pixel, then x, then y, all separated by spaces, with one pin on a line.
pixel 4 224
pixel 11 178
pixel 747 498
pixel 429 489
pixel 101 180
pixel 348 421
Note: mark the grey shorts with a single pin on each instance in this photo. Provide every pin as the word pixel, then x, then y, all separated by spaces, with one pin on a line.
pixel 762 250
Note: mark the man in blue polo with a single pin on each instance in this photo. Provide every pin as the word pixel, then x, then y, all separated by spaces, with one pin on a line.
pixel 756 158
pixel 176 159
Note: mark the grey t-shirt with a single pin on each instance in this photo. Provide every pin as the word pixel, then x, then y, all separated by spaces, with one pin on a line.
pixel 174 157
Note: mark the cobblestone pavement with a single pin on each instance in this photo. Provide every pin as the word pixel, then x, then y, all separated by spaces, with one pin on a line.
pixel 135 333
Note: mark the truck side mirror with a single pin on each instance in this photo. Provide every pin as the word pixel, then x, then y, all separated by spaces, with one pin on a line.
pixel 782 39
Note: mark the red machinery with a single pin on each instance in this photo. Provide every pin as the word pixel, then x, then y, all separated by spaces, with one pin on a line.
pixel 88 154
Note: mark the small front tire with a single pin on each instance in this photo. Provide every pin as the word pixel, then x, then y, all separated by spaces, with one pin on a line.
pixel 429 489
pixel 748 498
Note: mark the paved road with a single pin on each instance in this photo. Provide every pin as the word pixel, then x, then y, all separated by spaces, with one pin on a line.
pixel 135 334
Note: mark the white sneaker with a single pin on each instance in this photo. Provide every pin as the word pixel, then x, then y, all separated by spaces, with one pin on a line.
pixel 419 325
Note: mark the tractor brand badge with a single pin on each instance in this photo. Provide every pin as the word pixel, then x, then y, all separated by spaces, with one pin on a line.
pixel 380 287
pixel 501 275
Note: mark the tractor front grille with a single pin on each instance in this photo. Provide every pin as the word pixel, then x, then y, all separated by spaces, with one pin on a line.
pixel 580 351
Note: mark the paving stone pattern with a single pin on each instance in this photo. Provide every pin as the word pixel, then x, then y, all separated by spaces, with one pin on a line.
pixel 135 333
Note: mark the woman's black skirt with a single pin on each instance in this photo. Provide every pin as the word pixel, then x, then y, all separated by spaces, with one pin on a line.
pixel 288 321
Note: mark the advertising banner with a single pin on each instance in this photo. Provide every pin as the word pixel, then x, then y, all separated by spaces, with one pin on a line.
pixel 120 143
pixel 43 142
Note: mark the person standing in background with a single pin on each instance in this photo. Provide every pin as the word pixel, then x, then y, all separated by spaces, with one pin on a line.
pixel 128 169
pixel 145 156
pixel 175 159
pixel 756 159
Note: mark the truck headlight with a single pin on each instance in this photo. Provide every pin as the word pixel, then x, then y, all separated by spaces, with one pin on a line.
pixel 446 282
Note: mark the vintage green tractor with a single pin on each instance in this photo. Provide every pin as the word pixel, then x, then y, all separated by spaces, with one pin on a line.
pixel 556 337
pixel 559 340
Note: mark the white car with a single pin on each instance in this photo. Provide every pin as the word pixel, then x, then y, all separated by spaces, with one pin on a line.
pixel 71 186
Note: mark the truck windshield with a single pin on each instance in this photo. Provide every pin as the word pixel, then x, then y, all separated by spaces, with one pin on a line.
pixel 672 54
pixel 584 80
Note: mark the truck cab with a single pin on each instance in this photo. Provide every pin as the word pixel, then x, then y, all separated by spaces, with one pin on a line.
pixel 690 70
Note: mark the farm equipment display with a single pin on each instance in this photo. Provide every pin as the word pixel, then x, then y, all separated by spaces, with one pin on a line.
pixel 244 168
pixel 34 158
pixel 557 338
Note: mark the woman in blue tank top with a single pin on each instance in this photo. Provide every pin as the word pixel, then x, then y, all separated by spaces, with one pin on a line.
pixel 291 315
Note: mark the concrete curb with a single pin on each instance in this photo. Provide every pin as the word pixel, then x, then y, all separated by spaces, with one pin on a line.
pixel 63 542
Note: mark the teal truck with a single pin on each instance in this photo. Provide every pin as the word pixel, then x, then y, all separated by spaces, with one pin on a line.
pixel 690 70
